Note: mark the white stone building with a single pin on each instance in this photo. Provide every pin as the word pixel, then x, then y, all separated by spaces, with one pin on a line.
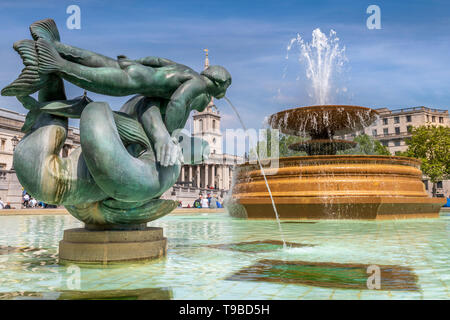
pixel 393 127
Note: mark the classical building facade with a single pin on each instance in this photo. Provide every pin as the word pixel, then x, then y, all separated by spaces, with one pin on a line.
pixel 393 127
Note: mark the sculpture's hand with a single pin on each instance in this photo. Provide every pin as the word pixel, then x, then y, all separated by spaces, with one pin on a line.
pixel 168 152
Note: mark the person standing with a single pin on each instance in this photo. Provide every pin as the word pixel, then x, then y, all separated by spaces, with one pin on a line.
pixel 205 203
pixel 26 200
pixel 2 204
pixel 198 202
pixel 213 202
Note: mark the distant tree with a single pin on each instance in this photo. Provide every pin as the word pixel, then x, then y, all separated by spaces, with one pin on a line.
pixel 367 145
pixel 431 144
pixel 283 145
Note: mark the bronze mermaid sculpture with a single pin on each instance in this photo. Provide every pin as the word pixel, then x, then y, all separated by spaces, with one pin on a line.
pixel 127 158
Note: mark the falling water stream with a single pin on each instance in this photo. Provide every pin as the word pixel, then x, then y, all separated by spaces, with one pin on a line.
pixel 263 173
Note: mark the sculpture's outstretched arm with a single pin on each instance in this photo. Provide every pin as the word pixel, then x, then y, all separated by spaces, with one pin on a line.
pixel 181 103
pixel 167 149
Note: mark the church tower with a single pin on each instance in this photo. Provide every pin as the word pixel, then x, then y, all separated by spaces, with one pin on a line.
pixel 206 124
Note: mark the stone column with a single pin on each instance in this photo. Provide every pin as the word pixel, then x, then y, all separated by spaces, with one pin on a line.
pixel 220 175
pixel 190 173
pixel 197 169
pixel 226 177
pixel 206 176
pixel 182 174
pixel 213 176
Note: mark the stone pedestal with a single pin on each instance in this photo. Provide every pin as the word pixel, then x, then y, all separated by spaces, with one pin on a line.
pixel 109 246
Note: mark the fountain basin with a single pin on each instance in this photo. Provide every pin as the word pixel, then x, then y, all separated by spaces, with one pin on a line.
pixel 322 121
pixel 335 187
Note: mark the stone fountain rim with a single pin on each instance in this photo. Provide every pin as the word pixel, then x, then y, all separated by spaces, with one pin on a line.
pixel 290 130
pixel 340 157
pixel 327 106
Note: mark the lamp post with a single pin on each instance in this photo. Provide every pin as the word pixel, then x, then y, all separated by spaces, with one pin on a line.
pixel 15 142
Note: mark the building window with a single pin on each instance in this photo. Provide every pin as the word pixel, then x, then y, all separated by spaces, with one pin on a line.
pixel 433 119
pixel 441 120
pixel 200 125
pixel 428 118
pixel 396 119
pixel 409 129
pixel 374 132
pixel 397 130
pixel 386 131
pixel 385 121
pixel 385 143
pixel 425 182
pixel 408 119
pixel 397 142
pixel 2 145
pixel 2 165
pixel 214 124
pixel 439 185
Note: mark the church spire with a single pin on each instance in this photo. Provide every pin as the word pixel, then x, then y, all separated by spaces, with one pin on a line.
pixel 206 58
pixel 211 103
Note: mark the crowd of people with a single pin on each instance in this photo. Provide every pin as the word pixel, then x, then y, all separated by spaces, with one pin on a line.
pixel 30 202
pixel 208 202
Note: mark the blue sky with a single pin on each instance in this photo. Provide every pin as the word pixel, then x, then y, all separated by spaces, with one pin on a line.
pixel 404 64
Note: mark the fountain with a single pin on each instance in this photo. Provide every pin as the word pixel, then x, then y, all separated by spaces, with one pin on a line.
pixel 324 185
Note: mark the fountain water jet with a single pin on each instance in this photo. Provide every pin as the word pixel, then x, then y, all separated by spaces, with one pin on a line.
pixel 323 57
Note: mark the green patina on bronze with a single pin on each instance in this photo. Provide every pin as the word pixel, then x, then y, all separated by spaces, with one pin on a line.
pixel 127 158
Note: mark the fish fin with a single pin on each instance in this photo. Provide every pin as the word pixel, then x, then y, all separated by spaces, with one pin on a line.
pixel 30 120
pixel 29 103
pixel 49 59
pixel 29 81
pixel 130 130
pixel 45 29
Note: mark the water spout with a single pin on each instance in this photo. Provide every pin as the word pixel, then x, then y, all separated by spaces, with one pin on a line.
pixel 263 173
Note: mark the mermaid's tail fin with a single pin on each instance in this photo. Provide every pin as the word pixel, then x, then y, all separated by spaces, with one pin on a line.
pixel 49 59
pixel 45 29
pixel 30 80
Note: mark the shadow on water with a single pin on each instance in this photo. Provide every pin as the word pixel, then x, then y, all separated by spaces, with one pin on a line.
pixel 137 294
pixel 327 274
